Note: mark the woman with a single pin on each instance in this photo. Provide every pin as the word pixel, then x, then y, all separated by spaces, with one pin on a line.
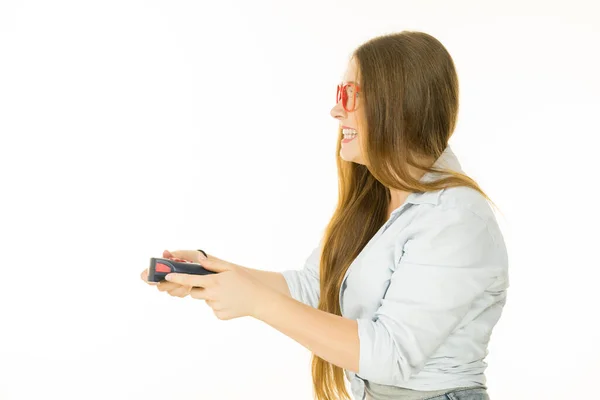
pixel 402 291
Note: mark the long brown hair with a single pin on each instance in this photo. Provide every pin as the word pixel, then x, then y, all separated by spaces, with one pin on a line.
pixel 409 88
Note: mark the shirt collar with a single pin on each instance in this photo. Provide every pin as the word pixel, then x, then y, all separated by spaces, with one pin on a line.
pixel 447 160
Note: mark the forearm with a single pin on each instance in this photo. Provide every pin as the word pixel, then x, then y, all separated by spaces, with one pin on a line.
pixel 329 336
pixel 274 280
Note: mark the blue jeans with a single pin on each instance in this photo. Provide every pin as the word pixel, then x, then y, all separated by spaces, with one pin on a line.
pixel 464 394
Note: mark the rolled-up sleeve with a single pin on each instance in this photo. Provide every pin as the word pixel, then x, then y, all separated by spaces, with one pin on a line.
pixel 449 261
pixel 304 283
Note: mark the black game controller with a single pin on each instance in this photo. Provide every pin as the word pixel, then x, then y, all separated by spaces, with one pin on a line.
pixel 161 267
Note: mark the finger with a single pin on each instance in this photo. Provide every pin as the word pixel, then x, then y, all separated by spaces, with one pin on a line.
pixel 164 286
pixel 189 255
pixel 203 281
pixel 217 265
pixel 144 277
pixel 181 291
pixel 199 293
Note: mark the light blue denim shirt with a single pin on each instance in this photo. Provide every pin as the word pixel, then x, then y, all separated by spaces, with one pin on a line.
pixel 426 290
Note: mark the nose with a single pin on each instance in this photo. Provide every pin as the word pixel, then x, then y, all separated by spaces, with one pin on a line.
pixel 338 111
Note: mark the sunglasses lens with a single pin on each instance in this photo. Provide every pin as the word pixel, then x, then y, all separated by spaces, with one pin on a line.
pixel 347 94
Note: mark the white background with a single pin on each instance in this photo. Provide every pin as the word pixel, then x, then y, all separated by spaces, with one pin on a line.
pixel 130 127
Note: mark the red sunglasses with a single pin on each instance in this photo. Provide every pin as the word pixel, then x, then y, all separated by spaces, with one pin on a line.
pixel 347 93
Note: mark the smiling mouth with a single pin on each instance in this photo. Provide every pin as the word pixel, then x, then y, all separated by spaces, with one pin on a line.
pixel 348 139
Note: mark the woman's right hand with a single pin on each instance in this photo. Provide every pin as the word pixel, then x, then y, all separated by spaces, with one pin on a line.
pixel 174 289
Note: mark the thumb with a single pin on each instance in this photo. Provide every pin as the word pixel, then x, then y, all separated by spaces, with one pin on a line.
pixel 214 264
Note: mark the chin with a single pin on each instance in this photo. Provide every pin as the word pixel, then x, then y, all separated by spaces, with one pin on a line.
pixel 350 157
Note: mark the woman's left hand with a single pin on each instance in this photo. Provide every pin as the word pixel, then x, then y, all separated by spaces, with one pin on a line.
pixel 232 292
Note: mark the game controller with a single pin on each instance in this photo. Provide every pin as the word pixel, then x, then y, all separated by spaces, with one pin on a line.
pixel 161 267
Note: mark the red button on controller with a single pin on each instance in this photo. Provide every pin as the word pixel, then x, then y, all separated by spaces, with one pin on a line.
pixel 160 267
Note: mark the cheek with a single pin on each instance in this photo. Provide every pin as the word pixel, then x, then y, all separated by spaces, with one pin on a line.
pixel 359 120
pixel 361 130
